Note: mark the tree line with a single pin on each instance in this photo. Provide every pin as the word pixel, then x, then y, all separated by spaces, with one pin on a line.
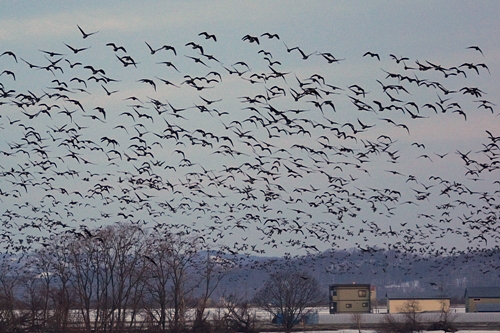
pixel 122 277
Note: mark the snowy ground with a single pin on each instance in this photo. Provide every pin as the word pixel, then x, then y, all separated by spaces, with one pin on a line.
pixel 371 331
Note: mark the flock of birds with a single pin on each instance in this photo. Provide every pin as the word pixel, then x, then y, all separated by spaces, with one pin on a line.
pixel 248 156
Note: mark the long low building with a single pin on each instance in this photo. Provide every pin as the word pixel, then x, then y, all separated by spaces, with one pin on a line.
pixel 482 299
pixel 417 303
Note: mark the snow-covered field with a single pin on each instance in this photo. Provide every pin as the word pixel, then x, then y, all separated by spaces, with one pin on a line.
pixel 371 331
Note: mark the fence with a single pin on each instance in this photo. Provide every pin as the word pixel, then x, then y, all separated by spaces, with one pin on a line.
pixel 375 318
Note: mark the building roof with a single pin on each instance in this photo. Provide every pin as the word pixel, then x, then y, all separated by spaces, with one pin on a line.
pixel 415 296
pixel 351 285
pixel 487 307
pixel 482 292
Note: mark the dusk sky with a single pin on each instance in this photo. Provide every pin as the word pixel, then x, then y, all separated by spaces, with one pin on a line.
pixel 359 124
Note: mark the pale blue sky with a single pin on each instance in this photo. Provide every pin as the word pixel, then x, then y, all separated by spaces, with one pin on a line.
pixel 439 32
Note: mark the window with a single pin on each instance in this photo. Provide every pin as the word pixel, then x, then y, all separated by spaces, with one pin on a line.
pixel 364 304
pixel 477 300
pixel 361 293
pixel 348 305
pixel 333 291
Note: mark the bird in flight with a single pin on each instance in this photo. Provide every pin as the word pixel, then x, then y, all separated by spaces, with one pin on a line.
pixel 475 47
pixel 371 54
pixel 116 48
pixel 270 36
pixel 10 53
pixel 84 34
pixel 207 35
pixel 398 60
pixel 255 147
pixel 76 50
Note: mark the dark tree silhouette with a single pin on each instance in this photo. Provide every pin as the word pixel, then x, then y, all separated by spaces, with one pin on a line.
pixel 289 296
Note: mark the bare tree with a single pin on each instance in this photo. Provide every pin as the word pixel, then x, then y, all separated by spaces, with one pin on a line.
pixel 40 283
pixel 446 320
pixel 211 270
pixel 125 248
pixel 109 269
pixel 410 322
pixel 171 259
pixel 62 293
pixel 289 296
pixel 411 310
pixel 10 318
pixel 158 280
pixel 181 256
pixel 357 318
pixel 240 316
pixel 85 260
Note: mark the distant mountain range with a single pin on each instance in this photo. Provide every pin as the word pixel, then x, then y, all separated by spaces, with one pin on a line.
pixel 389 271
